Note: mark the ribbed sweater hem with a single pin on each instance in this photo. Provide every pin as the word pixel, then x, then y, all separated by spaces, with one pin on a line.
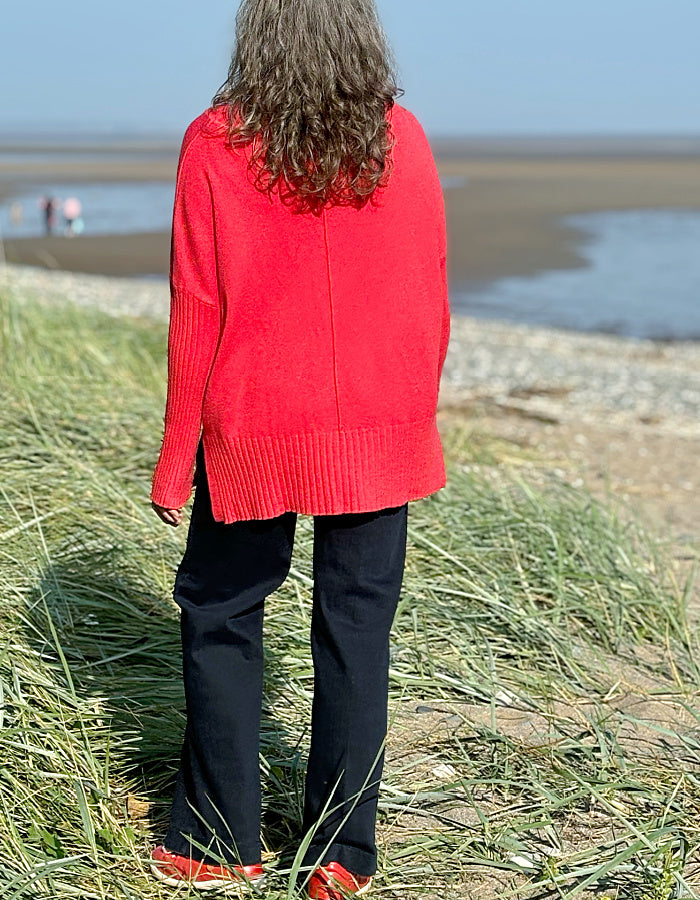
pixel 322 473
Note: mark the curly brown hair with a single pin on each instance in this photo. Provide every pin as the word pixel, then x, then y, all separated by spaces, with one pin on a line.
pixel 309 88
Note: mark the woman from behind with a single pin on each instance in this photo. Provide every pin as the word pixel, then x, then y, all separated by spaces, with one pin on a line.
pixel 308 330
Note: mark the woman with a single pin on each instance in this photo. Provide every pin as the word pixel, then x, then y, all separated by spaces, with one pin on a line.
pixel 309 326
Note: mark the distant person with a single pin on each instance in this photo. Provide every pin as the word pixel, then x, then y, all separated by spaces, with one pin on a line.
pixel 49 205
pixel 309 325
pixel 72 212
pixel 16 214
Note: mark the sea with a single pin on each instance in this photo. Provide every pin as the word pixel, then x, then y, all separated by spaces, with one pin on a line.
pixel 640 277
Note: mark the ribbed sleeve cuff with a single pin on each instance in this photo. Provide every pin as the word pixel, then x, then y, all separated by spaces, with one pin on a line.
pixel 192 342
pixel 172 478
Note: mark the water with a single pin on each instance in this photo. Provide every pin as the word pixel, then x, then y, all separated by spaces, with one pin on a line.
pixel 108 208
pixel 450 182
pixel 642 279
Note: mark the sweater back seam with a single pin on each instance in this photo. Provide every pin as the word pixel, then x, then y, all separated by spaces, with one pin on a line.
pixel 330 307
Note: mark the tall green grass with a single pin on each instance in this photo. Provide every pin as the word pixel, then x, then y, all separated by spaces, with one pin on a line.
pixel 545 738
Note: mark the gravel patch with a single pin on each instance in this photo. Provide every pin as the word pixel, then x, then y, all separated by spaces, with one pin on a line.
pixel 141 297
pixel 562 375
pixel 554 374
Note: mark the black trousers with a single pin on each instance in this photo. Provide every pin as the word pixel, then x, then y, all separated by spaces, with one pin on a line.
pixel 225 575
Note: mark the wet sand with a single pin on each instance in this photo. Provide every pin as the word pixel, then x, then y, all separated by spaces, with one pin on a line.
pixel 161 167
pixel 122 254
pixel 502 221
pixel 118 254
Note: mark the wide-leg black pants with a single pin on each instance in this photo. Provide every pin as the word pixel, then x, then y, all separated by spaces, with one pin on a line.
pixel 225 575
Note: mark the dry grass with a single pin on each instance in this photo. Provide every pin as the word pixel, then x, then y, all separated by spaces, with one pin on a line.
pixel 545 737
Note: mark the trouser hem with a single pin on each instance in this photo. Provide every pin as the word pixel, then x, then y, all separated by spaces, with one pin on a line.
pixel 176 843
pixel 355 860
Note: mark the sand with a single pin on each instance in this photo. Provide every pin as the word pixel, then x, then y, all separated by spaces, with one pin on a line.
pixel 130 254
pixel 119 254
pixel 502 222
pixel 158 168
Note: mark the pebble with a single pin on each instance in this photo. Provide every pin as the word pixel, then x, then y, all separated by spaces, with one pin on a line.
pixel 574 376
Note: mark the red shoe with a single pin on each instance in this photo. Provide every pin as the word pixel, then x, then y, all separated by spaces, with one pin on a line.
pixel 334 882
pixel 173 869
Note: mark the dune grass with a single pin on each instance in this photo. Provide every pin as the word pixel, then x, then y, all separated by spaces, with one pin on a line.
pixel 545 736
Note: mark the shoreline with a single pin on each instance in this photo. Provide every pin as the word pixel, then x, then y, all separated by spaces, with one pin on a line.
pixel 133 255
pixel 506 219
pixel 503 220
pixel 551 373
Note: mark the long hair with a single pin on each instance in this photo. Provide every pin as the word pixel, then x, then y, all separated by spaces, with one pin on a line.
pixel 309 87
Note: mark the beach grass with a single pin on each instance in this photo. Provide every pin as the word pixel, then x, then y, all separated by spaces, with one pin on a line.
pixel 545 727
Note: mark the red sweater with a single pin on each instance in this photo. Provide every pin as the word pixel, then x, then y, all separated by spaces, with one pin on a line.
pixel 305 348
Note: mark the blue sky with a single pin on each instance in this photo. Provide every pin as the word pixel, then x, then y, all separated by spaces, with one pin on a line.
pixel 467 66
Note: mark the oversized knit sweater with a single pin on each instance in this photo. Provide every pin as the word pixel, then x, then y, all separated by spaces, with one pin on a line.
pixel 305 348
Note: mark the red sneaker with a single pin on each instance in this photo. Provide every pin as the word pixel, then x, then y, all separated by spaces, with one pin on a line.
pixel 173 869
pixel 334 882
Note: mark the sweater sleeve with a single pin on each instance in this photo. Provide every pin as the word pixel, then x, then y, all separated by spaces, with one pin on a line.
pixel 194 327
